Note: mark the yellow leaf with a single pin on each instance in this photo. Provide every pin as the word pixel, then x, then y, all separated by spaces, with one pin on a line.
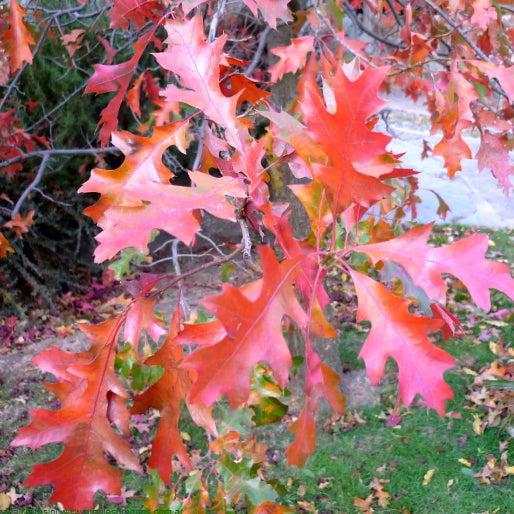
pixel 509 470
pixel 493 347
pixel 478 428
pixel 428 476
pixel 465 462
pixel 185 436
pixel 450 483
pixel 5 501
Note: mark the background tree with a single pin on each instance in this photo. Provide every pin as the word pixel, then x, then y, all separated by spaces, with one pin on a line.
pixel 193 80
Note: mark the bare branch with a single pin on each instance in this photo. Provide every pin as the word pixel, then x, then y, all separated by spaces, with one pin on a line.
pixel 58 151
pixel 258 53
pixel 32 185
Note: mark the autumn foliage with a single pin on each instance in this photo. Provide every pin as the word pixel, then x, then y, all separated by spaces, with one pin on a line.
pixel 203 97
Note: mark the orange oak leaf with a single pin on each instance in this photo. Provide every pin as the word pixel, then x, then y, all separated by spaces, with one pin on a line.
pixel 396 333
pixel 86 387
pixel 197 63
pixel 166 395
pixel 271 508
pixel 320 381
pixel 464 259
pixel 450 102
pixel 292 57
pixel 253 334
pixel 73 40
pixel 309 282
pixel 143 163
pixel 18 38
pixel 20 224
pixel 233 83
pixel 5 246
pixel 110 78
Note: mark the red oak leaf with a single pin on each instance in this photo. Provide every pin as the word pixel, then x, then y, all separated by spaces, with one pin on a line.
pixel 398 334
pixel 137 11
pixel 197 63
pixel 494 154
pixel 254 334
pixel 355 153
pixel 309 282
pixel 464 259
pixel 174 209
pixel 143 163
pixel 86 386
pixel 503 74
pixel 18 38
pixel 483 13
pixel 109 78
pixel 271 10
pixel 292 57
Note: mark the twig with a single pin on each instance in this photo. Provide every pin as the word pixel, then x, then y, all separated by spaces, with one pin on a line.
pixel 217 248
pixel 246 243
pixel 198 269
pixel 258 53
pixel 340 41
pixel 56 108
pixel 50 199
pixel 349 10
pixel 57 151
pixel 186 309
pixel 450 22
pixel 417 65
pixel 32 185
pixel 395 13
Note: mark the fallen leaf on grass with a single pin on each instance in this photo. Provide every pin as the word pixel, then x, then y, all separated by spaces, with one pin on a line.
pixel 428 477
pixel 5 501
pixel 364 505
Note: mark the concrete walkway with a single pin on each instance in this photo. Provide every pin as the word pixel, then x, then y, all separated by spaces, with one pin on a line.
pixel 474 198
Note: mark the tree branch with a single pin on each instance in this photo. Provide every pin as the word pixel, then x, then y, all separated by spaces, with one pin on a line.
pixel 258 53
pixel 32 185
pixel 450 22
pixel 58 151
pixel 349 10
